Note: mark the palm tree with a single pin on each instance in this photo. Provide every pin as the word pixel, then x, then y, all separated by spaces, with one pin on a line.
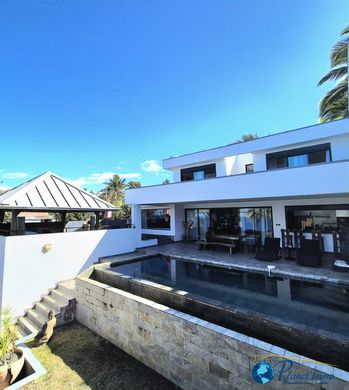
pixel 133 184
pixel 334 105
pixel 247 137
pixel 114 191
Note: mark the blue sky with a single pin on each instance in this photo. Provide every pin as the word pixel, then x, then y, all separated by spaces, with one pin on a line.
pixel 91 88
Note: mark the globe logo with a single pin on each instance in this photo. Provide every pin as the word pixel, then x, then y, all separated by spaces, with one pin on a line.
pixel 263 373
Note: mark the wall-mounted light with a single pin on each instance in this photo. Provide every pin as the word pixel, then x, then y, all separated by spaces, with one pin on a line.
pixel 46 248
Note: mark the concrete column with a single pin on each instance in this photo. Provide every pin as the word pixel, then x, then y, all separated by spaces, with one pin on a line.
pixel 259 162
pixel 136 220
pixel 221 169
pixel 279 218
pixel 176 175
pixel 177 220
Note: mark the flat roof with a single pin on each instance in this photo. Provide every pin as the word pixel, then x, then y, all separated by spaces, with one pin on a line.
pixel 290 137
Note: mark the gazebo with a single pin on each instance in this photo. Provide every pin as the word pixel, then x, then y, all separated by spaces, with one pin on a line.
pixel 47 193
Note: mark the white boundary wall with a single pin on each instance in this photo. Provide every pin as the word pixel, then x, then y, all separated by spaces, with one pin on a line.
pixel 26 271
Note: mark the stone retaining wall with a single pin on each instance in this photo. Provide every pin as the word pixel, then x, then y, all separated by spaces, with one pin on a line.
pixel 192 353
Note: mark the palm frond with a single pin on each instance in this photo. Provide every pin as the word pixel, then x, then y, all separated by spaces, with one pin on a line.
pixel 345 31
pixel 338 110
pixel 334 74
pixel 335 104
pixel 340 90
pixel 339 54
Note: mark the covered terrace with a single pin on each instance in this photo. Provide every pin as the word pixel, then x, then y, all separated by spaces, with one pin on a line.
pixel 47 195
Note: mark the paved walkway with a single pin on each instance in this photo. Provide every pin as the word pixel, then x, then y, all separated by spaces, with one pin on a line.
pixel 240 261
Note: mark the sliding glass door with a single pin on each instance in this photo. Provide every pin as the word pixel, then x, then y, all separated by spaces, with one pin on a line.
pixel 192 222
pixel 204 223
pixel 199 220
pixel 252 224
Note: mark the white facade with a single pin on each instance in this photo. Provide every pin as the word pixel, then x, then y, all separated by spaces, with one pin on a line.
pixel 323 183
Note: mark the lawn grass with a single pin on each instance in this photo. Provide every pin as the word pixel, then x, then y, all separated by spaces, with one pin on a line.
pixel 76 358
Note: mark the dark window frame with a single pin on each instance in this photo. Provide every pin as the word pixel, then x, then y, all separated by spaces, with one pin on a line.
pixel 163 224
pixel 247 166
pixel 297 152
pixel 191 170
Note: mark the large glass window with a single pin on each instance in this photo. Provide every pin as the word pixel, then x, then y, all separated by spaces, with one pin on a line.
pixel 198 223
pixel 252 224
pixel 299 157
pixel 324 218
pixel 256 224
pixel 198 173
pixel 192 224
pixel 225 221
pixel 156 219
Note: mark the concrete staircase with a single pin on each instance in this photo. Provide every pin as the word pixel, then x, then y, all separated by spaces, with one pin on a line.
pixel 61 299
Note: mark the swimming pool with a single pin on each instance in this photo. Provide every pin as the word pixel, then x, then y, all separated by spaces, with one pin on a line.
pixel 307 317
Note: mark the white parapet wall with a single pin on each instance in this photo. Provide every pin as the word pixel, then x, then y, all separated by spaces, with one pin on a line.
pixel 30 265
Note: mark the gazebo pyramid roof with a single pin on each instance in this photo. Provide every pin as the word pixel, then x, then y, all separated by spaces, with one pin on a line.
pixel 50 192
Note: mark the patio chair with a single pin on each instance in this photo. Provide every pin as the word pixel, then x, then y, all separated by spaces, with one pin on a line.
pixel 309 254
pixel 287 244
pixel 270 251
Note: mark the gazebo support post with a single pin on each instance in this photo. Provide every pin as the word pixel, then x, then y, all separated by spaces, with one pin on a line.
pixel 63 220
pixel 97 219
pixel 14 222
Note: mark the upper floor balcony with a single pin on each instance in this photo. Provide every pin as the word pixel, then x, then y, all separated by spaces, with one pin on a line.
pixel 326 179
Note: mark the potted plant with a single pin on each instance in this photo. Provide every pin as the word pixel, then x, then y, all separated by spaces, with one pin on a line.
pixel 11 358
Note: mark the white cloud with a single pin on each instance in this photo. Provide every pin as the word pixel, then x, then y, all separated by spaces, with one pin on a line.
pixel 14 175
pixel 80 182
pixel 101 178
pixel 151 166
pixel 130 175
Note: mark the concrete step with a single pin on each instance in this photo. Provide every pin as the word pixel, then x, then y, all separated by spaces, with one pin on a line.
pixel 67 287
pixel 53 302
pixel 57 300
pixel 42 308
pixel 28 325
pixel 58 295
pixel 21 332
pixel 36 318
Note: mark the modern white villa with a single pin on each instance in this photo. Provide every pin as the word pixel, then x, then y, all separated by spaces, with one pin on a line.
pixel 167 290
pixel 296 180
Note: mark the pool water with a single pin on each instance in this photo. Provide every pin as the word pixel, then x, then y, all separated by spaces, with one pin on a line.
pixel 317 306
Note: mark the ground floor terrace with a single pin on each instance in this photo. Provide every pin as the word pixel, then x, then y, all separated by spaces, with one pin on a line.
pixel 249 221
pixel 240 261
